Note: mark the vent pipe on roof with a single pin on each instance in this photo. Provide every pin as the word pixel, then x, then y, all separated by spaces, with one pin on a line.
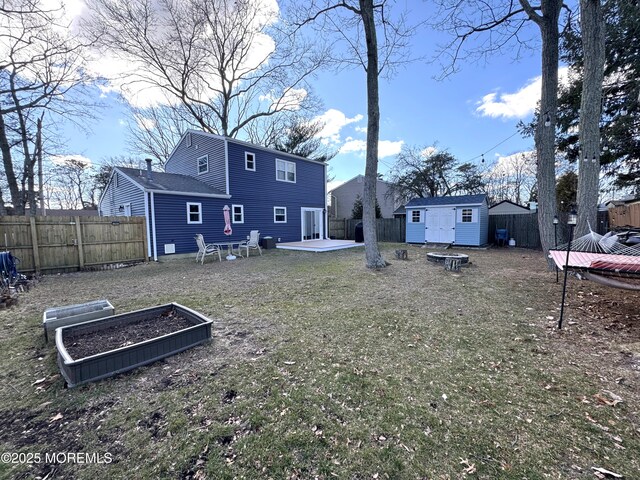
pixel 148 160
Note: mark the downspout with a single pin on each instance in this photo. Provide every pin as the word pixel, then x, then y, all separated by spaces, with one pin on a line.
pixel 147 214
pixel 153 214
pixel 226 164
pixel 326 206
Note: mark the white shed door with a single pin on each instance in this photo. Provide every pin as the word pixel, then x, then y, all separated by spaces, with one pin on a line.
pixel 440 225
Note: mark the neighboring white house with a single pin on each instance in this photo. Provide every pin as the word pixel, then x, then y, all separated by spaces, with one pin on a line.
pixel 341 198
pixel 507 207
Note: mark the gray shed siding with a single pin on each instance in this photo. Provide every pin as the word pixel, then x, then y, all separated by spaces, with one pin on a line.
pixel 184 159
pixel 126 192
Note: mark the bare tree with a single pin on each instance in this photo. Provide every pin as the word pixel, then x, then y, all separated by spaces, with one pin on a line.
pixel 41 79
pixel 216 65
pixel 428 172
pixel 71 184
pixel 512 178
pixel 357 24
pixel 506 25
pixel 593 45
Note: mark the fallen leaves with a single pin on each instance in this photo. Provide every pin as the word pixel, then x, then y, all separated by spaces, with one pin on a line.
pixel 612 399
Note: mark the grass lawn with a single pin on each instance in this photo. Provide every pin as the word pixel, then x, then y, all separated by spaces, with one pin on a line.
pixel 320 368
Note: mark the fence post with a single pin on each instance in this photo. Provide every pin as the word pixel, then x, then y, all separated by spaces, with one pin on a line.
pixel 34 244
pixel 79 242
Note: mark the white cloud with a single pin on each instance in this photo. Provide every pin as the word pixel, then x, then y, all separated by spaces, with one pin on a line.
pixel 386 148
pixel 519 104
pixel 290 100
pixel 361 129
pixel 334 121
pixel 62 159
pixel 427 152
pixel 137 81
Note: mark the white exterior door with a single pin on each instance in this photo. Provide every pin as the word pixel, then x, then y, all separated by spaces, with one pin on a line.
pixel 312 225
pixel 440 225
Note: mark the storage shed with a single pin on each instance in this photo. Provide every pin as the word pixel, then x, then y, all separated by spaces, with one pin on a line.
pixel 459 220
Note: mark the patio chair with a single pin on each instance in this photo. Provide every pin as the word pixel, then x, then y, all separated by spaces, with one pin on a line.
pixel 205 249
pixel 253 242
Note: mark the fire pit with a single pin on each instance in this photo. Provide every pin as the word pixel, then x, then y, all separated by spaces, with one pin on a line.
pixel 440 257
pixel 101 348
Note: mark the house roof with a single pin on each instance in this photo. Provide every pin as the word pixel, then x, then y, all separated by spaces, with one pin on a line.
pixel 169 182
pixel 339 187
pixel 510 202
pixel 441 201
pixel 400 210
pixel 241 142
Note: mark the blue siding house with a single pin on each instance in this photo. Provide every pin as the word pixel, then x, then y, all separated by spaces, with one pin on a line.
pixel 459 220
pixel 282 195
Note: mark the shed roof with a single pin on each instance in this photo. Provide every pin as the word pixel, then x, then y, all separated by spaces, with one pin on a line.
pixel 510 203
pixel 452 200
pixel 169 182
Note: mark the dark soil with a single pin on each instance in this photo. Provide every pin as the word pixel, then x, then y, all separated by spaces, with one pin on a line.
pixel 86 344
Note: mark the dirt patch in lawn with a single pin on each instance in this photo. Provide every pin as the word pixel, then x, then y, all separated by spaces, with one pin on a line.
pixel 83 344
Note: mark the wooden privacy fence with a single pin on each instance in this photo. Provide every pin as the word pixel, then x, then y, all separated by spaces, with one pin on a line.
pixel 388 229
pixel 625 216
pixel 53 244
pixel 522 228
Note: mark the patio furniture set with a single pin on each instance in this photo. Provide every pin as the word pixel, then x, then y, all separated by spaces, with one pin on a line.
pixel 232 247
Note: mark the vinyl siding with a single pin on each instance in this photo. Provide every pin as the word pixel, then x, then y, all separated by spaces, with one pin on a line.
pixel 484 224
pixel 345 195
pixel 415 231
pixel 184 159
pixel 259 191
pixel 172 227
pixel 127 192
pixel 467 234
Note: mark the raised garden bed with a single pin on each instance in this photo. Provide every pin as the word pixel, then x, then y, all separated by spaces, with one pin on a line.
pixel 101 348
pixel 72 314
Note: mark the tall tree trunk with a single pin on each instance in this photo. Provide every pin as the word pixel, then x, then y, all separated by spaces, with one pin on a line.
pixel 545 134
pixel 372 253
pixel 593 45
pixel 7 162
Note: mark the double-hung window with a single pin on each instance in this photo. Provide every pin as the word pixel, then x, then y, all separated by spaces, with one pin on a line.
pixel 250 161
pixel 467 215
pixel 194 212
pixel 237 213
pixel 279 214
pixel 415 216
pixel 203 164
pixel 285 171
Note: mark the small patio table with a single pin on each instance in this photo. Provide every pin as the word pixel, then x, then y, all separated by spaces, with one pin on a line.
pixel 229 247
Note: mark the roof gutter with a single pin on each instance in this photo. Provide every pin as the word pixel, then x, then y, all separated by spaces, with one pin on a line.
pixel 191 194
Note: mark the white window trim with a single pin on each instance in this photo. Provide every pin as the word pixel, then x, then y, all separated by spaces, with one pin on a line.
pixel 233 213
pixel 274 215
pixel 246 154
pixel 295 173
pixel 419 216
pixel 474 215
pixel 189 221
pixel 189 140
pixel 198 164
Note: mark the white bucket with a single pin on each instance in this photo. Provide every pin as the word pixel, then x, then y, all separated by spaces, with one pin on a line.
pixel 512 242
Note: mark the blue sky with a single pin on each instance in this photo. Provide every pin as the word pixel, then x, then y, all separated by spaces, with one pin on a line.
pixel 468 113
